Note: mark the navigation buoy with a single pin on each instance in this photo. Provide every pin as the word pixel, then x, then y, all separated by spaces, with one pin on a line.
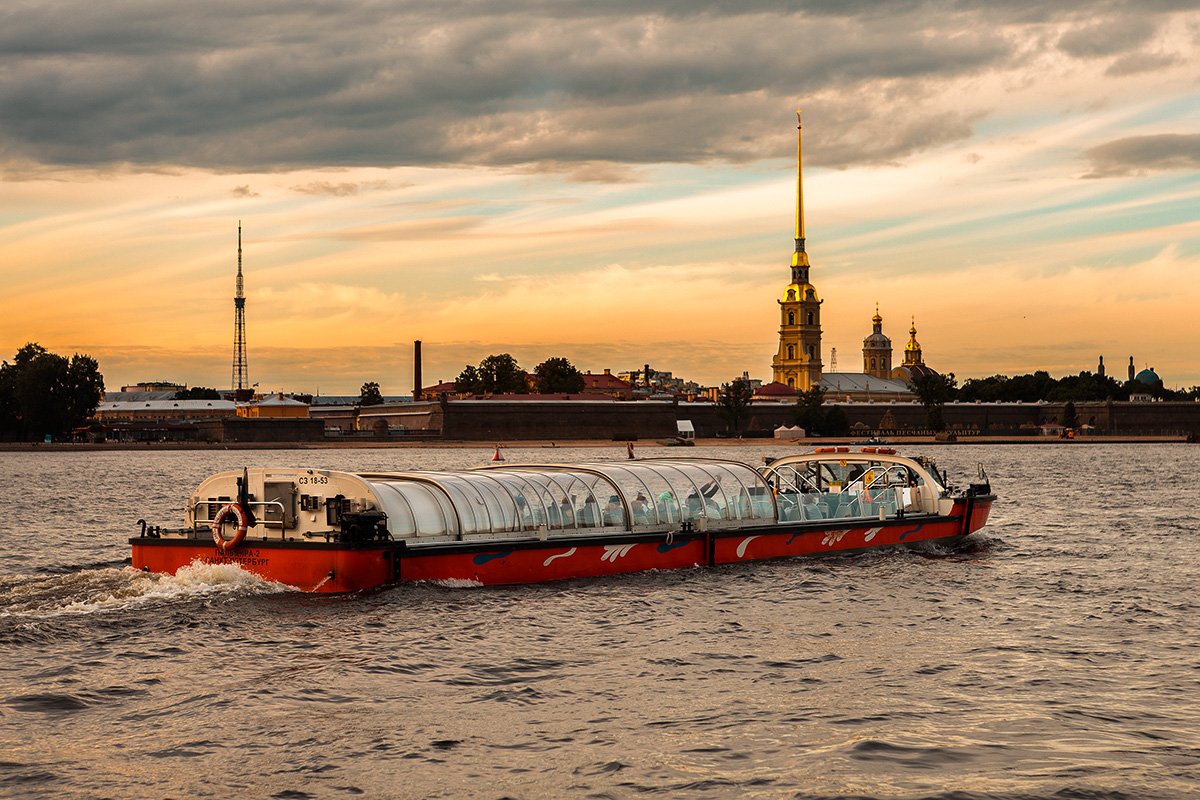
pixel 497 455
pixel 629 449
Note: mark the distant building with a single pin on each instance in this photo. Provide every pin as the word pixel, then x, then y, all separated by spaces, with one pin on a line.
pixel 275 406
pixel 775 392
pixel 914 362
pixel 851 387
pixel 797 363
pixel 1148 377
pixel 155 386
pixel 607 384
pixel 877 350
pixel 163 410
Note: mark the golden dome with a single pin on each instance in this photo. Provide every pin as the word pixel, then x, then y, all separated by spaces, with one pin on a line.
pixel 913 344
pixel 795 292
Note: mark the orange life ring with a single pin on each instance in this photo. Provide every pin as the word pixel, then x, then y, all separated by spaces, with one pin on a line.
pixel 869 450
pixel 223 544
pixel 825 450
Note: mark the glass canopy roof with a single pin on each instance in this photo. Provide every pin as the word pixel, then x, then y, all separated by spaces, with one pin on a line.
pixel 653 494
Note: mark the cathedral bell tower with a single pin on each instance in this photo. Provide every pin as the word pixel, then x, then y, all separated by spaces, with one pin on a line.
pixel 877 350
pixel 798 362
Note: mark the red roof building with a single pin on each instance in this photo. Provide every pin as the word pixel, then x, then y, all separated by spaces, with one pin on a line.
pixel 775 391
pixel 608 384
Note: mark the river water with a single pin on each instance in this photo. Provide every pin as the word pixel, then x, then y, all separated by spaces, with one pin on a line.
pixel 1056 656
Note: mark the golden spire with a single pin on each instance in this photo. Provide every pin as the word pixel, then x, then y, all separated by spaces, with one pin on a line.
pixel 877 319
pixel 801 257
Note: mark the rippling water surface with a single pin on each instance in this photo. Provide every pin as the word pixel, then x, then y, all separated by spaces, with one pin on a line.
pixel 1054 657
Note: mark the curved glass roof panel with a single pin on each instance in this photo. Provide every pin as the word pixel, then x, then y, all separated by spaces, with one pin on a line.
pixel 519 500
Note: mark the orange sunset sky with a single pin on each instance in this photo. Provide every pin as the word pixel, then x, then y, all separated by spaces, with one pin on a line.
pixel 607 183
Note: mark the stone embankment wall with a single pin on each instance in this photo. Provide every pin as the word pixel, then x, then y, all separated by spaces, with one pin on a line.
pixel 505 420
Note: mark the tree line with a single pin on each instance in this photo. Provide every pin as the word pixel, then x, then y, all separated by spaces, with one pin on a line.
pixel 46 394
pixel 1084 387
pixel 501 374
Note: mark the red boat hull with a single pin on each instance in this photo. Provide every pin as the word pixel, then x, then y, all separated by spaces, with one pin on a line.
pixel 332 567
pixel 309 568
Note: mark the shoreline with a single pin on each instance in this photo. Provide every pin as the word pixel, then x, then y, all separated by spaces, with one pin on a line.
pixel 73 447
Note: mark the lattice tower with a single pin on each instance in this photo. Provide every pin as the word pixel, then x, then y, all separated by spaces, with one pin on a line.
pixel 241 375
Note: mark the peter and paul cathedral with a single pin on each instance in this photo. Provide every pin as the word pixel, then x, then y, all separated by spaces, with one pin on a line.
pixel 797 365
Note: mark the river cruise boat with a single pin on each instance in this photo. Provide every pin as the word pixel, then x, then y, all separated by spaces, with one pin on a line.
pixel 328 531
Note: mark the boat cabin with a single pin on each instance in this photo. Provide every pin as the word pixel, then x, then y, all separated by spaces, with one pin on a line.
pixel 512 502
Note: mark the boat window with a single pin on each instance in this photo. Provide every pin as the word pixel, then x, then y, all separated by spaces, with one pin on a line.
pixel 500 505
pixel 468 500
pixel 432 513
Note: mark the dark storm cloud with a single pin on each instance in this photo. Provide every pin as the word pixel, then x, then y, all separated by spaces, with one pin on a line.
pixel 276 85
pixel 1134 154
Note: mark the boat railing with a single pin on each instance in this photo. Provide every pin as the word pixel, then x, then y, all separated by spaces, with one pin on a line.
pixel 212 507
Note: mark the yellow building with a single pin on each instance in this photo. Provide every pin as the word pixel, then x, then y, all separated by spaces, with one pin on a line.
pixel 797 364
pixel 275 406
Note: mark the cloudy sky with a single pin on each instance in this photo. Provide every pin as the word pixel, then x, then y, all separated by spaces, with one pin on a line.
pixel 608 181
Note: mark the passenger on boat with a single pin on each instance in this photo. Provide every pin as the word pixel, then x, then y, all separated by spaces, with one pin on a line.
pixel 589 515
pixel 641 512
pixel 614 513
pixel 524 514
pixel 668 509
pixel 567 511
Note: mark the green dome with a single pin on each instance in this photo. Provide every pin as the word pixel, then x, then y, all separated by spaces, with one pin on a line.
pixel 1147 376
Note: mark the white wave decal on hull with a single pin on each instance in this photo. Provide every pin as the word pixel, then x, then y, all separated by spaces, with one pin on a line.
pixel 871 534
pixel 567 554
pixel 614 551
pixel 741 548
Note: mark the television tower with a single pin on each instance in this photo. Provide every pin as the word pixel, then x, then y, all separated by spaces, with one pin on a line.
pixel 241 376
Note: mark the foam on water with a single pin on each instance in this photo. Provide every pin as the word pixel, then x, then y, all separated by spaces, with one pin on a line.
pixel 458 583
pixel 99 590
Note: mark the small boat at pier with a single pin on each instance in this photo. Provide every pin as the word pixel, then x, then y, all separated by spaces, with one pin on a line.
pixel 331 531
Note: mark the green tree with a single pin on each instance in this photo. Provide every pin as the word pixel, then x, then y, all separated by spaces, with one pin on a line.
pixel 468 381
pixel 198 393
pixel 558 375
pixel 733 401
pixel 810 410
pixel 817 418
pixel 496 374
pixel 369 394
pixel 44 393
pixel 502 375
pixel 933 390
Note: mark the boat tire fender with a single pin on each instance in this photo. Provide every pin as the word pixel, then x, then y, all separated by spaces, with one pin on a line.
pixel 223 544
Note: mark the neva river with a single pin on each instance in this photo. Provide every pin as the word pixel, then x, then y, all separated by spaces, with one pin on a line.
pixel 1055 657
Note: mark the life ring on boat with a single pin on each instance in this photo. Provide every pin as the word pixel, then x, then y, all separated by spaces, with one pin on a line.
pixel 223 544
pixel 825 450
